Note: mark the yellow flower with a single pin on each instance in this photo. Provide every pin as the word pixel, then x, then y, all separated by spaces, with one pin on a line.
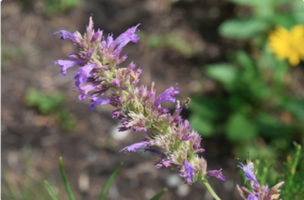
pixel 288 44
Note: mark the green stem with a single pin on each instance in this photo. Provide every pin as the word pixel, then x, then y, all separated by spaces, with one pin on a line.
pixel 210 189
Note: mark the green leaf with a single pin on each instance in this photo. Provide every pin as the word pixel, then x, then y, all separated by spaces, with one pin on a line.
pixel 105 189
pixel 65 181
pixel 49 189
pixel 296 107
pixel 285 20
pixel 298 11
pixel 161 193
pixel 224 73
pixel 202 126
pixel 250 2
pixel 239 128
pixel 242 28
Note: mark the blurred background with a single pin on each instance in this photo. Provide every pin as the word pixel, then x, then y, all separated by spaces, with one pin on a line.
pixel 243 98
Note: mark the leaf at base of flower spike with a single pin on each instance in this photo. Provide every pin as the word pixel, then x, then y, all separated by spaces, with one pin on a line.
pixel 161 193
pixel 65 181
pixel 49 189
pixel 105 189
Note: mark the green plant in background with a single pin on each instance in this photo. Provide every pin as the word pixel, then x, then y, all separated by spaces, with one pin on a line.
pixel 253 103
pixel 57 6
pixel 293 173
pixel 104 191
pixel 173 42
pixel 51 105
pixel 257 18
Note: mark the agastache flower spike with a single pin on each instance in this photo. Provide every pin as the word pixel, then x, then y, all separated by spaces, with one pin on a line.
pixel 138 108
pixel 258 192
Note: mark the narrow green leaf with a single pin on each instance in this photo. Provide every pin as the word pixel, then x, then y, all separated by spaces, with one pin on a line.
pixel 66 184
pixel 49 189
pixel 161 193
pixel 105 189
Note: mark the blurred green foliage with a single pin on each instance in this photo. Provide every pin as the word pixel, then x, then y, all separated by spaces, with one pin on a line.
pixel 57 6
pixel 51 105
pixel 256 18
pixel 171 41
pixel 253 102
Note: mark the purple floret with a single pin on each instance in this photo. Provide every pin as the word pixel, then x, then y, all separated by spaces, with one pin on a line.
pixel 249 174
pixel 165 96
pixel 135 146
pixel 82 74
pixel 189 169
pixel 95 101
pixel 65 64
pixel 216 173
pixel 66 34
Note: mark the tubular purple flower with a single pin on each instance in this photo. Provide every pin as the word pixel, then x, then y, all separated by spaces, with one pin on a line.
pixel 84 90
pixel 135 146
pixel 126 37
pixel 66 34
pixel 166 95
pixel 95 101
pixel 65 64
pixel 216 173
pixel 249 174
pixel 82 74
pixel 188 169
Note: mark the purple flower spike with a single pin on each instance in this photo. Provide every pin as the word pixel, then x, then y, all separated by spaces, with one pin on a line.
pixel 66 34
pixel 249 174
pixel 189 169
pixel 65 64
pixel 166 95
pixel 216 173
pixel 135 146
pixel 82 75
pixel 98 101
